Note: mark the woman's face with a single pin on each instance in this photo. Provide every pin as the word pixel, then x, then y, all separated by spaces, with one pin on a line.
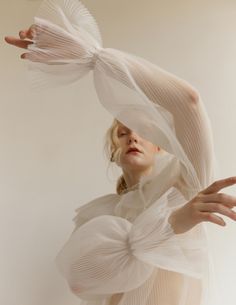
pixel 136 153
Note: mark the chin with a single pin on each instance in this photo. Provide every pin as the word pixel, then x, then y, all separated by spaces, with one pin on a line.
pixel 135 164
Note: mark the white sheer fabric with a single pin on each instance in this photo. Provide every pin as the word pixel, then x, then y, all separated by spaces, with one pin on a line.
pixel 119 243
pixel 123 249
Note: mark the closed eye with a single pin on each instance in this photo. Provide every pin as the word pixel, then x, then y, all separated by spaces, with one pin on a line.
pixel 122 134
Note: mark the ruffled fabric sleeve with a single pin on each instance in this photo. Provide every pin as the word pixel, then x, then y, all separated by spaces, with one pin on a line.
pixel 158 105
pixel 175 100
pixel 109 254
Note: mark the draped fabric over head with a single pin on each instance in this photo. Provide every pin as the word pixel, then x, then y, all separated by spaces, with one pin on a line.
pixel 68 45
pixel 97 261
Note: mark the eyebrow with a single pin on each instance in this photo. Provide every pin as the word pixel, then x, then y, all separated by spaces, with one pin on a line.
pixel 122 128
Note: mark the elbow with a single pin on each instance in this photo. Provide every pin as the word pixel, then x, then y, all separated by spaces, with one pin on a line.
pixel 194 97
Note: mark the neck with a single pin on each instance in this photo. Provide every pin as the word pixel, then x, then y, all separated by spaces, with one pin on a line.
pixel 133 177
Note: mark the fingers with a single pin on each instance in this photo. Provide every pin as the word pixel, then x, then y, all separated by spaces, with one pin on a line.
pixel 227 200
pixel 23 34
pixel 218 185
pixel 17 42
pixel 210 217
pixel 23 56
pixel 213 207
pixel 28 33
pixel 212 202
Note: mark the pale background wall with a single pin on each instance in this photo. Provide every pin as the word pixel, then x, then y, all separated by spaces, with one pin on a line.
pixel 51 157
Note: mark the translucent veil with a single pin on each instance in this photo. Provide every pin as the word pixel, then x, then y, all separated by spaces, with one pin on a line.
pixel 68 45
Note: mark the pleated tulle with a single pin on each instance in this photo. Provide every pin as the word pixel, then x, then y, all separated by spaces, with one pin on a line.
pixel 123 249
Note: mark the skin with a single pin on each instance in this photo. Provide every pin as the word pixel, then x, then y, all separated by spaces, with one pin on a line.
pixel 25 39
pixel 135 164
pixel 201 208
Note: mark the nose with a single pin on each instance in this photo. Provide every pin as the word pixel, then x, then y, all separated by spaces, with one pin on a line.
pixel 132 138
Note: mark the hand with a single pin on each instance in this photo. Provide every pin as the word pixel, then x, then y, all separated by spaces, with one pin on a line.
pixel 22 42
pixel 203 206
pixel 51 44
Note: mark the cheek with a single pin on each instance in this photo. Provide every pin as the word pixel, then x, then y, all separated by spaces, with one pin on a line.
pixel 150 152
pixel 150 148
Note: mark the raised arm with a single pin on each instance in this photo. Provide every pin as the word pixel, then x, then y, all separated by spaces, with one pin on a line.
pixel 67 44
pixel 192 124
pixel 181 100
pixel 123 257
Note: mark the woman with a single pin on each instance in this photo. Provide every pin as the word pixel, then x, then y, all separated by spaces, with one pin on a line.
pixel 145 245
pixel 135 155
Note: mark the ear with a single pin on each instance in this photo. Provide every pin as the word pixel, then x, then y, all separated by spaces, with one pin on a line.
pixel 112 157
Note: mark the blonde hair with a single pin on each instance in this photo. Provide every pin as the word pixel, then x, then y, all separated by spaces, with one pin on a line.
pixel 111 140
pixel 112 152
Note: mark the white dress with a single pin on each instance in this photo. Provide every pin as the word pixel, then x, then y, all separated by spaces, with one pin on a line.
pixel 123 249
pixel 174 267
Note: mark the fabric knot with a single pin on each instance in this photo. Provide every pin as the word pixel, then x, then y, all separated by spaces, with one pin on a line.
pixel 95 56
pixel 129 246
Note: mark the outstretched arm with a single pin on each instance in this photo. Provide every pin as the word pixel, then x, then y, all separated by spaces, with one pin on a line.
pixel 122 258
pixel 120 254
pixel 178 97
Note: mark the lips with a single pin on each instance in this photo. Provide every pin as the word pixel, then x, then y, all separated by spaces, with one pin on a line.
pixel 133 149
